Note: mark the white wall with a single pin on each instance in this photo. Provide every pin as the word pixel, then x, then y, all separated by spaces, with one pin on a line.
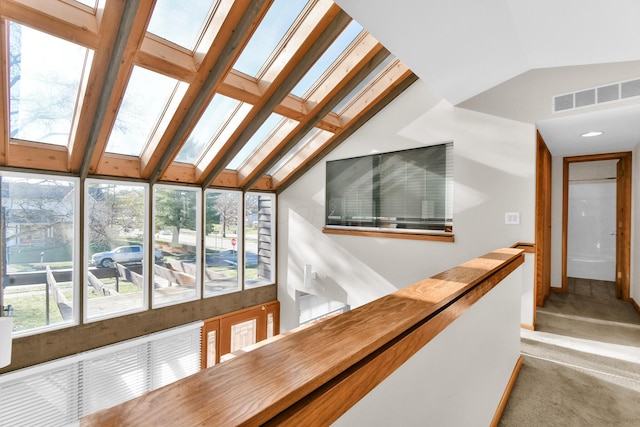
pixel 494 173
pixel 459 377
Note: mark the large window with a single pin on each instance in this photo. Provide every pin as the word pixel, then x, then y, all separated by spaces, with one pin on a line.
pixel 223 241
pixel 177 226
pixel 39 287
pixel 259 232
pixel 142 249
pixel 410 190
pixel 115 230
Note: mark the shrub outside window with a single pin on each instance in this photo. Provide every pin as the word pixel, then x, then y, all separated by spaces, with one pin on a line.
pixel 177 227
pixel 115 248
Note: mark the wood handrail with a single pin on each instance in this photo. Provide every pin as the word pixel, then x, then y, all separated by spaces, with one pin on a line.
pixel 527 247
pixel 315 375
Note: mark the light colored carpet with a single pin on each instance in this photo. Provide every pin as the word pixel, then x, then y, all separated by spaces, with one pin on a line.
pixel 581 367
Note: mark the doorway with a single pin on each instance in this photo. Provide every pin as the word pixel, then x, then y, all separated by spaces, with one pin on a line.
pixel 596 220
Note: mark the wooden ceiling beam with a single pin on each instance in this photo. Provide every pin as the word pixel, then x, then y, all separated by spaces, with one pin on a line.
pixel 88 103
pixel 54 17
pixel 363 57
pixel 131 31
pixel 310 50
pixel 311 159
pixel 166 59
pixel 215 66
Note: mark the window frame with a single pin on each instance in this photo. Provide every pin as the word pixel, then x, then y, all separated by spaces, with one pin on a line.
pixel 87 257
pixel 380 230
pixel 198 243
pixel 239 240
pixel 273 264
pixel 75 259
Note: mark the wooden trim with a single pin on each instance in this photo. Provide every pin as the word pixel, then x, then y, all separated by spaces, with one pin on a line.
pixel 43 347
pixel 88 105
pixel 222 324
pixel 527 247
pixel 623 226
pixel 390 234
pixel 318 373
pixel 54 17
pixel 507 393
pixel 283 182
pixel 529 327
pixel 565 223
pixel 329 21
pixel 635 304
pixel 236 29
pixel 343 79
pixel 542 224
pixel 127 41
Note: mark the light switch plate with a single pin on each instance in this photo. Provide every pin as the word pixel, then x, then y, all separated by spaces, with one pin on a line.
pixel 512 218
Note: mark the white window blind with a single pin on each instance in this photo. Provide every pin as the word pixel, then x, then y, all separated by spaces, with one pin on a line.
pixel 408 189
pixel 175 357
pixel 60 392
pixel 40 397
pixel 114 378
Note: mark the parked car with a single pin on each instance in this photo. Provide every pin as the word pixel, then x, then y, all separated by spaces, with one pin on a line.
pixel 121 254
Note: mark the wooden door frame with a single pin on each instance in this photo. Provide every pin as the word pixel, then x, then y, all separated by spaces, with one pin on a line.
pixel 623 219
pixel 542 286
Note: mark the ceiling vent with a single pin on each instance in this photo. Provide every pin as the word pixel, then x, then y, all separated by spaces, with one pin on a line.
pixel 597 95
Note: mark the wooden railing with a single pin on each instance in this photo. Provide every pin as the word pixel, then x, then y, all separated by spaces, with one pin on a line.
pixel 313 376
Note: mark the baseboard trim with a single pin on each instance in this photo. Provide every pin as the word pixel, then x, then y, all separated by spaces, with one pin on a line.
pixel 507 392
pixel 526 326
pixel 635 305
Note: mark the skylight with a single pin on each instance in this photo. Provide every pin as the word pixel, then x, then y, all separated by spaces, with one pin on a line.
pixel 177 98
pixel 281 15
pixel 43 89
pixel 220 119
pixel 150 97
pixel 180 22
pixel 310 135
pixel 362 84
pixel 328 58
pixel 89 3
pixel 274 122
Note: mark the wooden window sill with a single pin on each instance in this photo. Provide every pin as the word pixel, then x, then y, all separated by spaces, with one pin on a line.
pixel 388 233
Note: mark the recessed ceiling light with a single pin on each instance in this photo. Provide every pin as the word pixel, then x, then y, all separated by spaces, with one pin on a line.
pixel 592 133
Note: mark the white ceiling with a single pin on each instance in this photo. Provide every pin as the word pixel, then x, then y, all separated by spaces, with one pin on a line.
pixel 510 57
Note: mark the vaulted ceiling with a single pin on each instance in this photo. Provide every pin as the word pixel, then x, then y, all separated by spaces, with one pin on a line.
pixel 511 57
pixel 244 94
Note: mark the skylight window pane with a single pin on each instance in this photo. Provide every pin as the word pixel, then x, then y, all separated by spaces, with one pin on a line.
pixel 222 116
pixel 261 134
pixel 144 104
pixel 180 22
pixel 281 15
pixel 329 57
pixel 43 88
pixel 362 84
pixel 311 134
pixel 90 3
